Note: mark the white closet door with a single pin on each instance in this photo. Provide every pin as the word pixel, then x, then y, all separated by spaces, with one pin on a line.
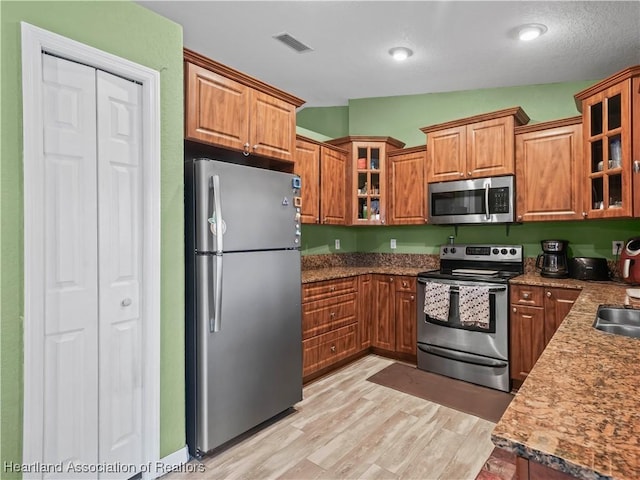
pixel 69 241
pixel 120 237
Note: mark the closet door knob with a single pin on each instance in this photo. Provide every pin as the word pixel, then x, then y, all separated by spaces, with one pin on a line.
pixel 125 302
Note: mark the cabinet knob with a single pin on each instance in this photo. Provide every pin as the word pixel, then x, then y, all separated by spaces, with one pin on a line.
pixel 412 297
pixel 255 147
pixel 636 166
pixel 548 294
pixel 526 295
pixel 405 284
pixel 584 214
pixel 519 217
pixel 332 288
pixel 332 314
pixel 391 279
pixel 246 149
pixel 461 174
pixel 514 310
pixel 324 220
pixel 469 174
pixel 333 348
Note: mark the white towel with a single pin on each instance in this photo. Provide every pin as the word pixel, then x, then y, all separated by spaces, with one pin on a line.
pixel 473 306
pixel 436 300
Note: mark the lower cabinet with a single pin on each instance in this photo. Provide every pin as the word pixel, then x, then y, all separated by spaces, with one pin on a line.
pixel 329 323
pixel 394 316
pixel 536 314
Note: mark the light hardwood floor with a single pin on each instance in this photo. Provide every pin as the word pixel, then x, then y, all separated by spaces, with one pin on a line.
pixel 348 428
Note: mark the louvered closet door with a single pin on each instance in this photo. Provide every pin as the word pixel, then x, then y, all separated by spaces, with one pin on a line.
pixel 93 233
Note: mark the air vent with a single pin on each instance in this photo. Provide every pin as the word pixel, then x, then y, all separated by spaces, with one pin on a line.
pixel 294 43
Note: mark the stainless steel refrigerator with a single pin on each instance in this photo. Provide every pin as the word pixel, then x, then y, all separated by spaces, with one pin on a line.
pixel 243 305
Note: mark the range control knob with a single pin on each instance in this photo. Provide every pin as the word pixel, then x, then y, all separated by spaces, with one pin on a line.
pixel 445 250
pixel 495 251
pixel 453 249
pixel 512 251
pixel 503 251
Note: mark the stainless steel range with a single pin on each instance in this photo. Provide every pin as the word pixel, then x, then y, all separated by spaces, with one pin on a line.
pixel 463 313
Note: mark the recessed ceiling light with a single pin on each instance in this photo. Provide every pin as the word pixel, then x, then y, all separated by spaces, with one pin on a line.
pixel 400 53
pixel 531 31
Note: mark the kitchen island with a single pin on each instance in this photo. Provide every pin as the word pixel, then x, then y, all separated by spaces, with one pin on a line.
pixel 578 411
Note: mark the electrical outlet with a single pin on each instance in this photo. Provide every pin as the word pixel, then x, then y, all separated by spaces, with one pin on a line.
pixel 337 244
pixel 616 247
pixel 393 243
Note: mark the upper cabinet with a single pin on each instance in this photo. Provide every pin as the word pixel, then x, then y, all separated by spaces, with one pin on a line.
pixel 549 170
pixel 322 202
pixel 366 180
pixel 407 186
pixel 479 146
pixel 611 115
pixel 226 108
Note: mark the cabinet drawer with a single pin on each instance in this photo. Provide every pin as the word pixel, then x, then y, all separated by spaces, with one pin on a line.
pixel 323 350
pixel 527 295
pixel 321 316
pixel 328 288
pixel 406 284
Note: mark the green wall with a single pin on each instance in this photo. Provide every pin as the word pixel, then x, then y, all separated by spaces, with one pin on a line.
pixel 402 116
pixel 330 121
pixel 133 32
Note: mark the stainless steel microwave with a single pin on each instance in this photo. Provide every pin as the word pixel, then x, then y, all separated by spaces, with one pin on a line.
pixel 479 200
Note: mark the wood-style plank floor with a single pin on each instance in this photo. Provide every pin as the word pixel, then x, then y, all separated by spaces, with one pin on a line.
pixel 348 428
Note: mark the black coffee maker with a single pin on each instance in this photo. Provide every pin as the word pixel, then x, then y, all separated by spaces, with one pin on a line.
pixel 553 261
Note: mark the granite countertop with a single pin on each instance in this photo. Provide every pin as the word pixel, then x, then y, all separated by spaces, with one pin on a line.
pixel 578 411
pixel 330 273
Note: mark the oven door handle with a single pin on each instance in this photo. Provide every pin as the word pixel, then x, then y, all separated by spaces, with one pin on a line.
pixel 454 288
pixel 463 357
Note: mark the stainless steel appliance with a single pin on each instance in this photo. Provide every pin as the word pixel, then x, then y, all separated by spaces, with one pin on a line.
pixel 553 261
pixel 479 200
pixel 460 347
pixel 243 300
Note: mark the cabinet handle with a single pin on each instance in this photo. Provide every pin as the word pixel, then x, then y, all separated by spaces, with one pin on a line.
pixel 333 348
pixel 526 295
pixel 514 310
pixel 548 294
pixel 636 166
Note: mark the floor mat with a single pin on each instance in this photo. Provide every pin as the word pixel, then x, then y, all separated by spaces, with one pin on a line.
pixel 466 397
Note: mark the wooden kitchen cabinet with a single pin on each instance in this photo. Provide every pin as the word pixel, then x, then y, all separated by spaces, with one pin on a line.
pixel 365 310
pixel 611 137
pixel 407 187
pixel 226 108
pixel 549 170
pixel 478 146
pixel 322 202
pixel 536 314
pixel 394 319
pixel 366 180
pixel 329 324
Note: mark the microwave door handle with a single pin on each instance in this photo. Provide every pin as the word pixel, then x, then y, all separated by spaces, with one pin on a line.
pixel 486 201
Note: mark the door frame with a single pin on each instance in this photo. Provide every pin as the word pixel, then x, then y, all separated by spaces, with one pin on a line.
pixel 35 41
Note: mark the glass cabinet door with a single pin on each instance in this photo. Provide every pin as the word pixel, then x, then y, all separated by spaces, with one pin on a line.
pixel 369 173
pixel 608 150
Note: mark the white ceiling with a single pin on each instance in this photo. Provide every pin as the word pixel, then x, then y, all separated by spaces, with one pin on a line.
pixel 457 45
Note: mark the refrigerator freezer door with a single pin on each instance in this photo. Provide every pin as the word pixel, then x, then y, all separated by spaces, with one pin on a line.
pixel 257 207
pixel 251 369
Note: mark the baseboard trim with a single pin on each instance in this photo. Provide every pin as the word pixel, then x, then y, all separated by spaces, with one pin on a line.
pixel 171 463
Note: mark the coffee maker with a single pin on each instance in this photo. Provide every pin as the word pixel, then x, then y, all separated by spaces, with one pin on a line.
pixel 553 261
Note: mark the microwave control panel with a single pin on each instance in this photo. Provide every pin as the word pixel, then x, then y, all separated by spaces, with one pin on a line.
pixel 499 200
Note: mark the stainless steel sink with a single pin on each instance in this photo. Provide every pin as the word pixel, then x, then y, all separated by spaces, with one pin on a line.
pixel 618 320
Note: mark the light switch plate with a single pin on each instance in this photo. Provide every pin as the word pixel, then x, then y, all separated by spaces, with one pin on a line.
pixel 337 244
pixel 393 243
pixel 616 247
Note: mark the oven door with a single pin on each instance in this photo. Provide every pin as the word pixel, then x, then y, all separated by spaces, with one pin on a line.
pixel 453 334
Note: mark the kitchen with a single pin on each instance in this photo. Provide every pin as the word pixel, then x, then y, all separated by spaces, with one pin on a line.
pixel 590 238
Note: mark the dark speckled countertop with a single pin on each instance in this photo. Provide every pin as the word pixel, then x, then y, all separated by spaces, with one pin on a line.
pixel 578 411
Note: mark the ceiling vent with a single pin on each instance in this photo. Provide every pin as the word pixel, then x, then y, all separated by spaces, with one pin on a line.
pixel 294 43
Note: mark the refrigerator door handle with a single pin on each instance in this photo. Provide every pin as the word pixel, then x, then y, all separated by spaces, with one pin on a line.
pixel 216 322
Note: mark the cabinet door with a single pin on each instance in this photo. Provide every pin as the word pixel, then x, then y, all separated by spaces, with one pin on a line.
pixel 406 201
pixel 368 183
pixel 607 152
pixel 557 303
pixel 405 316
pixel 307 165
pixel 549 173
pixel 490 148
pixel 527 339
pixel 446 154
pixel 383 327
pixel 272 127
pixel 217 109
pixel 333 180
pixel 366 307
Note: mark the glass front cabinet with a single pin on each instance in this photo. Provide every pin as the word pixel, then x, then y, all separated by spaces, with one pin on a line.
pixel 367 194
pixel 611 153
